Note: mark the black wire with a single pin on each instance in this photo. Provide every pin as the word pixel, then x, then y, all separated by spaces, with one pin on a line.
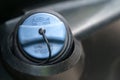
pixel 42 32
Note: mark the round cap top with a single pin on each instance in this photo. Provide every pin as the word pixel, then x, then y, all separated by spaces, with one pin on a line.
pixel 33 43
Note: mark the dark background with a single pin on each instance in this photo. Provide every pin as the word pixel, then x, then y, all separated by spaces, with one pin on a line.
pixel 13 8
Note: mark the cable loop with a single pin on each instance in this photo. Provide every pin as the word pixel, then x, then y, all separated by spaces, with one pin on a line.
pixel 42 32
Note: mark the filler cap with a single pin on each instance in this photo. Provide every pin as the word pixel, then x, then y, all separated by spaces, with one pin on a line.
pixel 33 44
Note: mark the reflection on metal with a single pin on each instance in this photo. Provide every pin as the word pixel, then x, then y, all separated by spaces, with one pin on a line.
pixel 70 5
pixel 87 18
pixel 108 14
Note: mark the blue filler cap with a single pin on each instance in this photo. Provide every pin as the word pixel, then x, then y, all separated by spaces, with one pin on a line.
pixel 33 44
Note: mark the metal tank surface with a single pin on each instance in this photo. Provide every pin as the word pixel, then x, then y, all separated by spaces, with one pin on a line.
pixel 101 49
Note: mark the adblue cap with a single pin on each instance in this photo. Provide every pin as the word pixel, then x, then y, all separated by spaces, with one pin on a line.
pixel 33 44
